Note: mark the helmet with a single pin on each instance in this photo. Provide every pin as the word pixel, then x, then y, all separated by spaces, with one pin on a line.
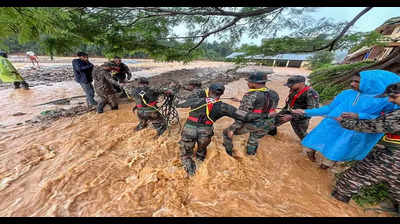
pixel 258 77
pixel 217 88
pixel 295 79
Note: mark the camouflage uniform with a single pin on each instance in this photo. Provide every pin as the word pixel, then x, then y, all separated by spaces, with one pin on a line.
pixel 121 76
pixel 196 93
pixel 275 100
pixel 103 87
pixel 381 165
pixel 199 127
pixel 253 101
pixel 307 100
pixel 148 111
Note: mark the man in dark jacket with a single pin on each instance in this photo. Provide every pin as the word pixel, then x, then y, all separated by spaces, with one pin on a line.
pixel 83 75
pixel 121 74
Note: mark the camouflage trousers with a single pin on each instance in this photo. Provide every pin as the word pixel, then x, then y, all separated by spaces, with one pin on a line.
pixel 191 135
pixel 300 127
pixel 381 165
pixel 147 115
pixel 257 129
pixel 106 99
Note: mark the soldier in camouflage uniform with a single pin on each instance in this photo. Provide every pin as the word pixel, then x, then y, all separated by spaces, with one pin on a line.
pixel 275 100
pixel 193 86
pixel 199 125
pixel 300 97
pixel 103 86
pixel 256 100
pixel 146 104
pixel 381 164
pixel 121 74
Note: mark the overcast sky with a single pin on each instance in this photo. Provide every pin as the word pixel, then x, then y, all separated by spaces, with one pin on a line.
pixel 368 22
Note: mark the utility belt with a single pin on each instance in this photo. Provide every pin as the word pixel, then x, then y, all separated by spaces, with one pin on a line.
pixel 196 121
pixel 392 138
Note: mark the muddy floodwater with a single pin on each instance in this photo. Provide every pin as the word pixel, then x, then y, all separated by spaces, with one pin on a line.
pixel 95 165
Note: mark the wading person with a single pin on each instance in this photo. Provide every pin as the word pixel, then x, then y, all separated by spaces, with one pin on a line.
pixel 337 144
pixel 103 86
pixel 83 75
pixel 146 105
pixel 199 125
pixel 120 74
pixel 381 164
pixel 256 100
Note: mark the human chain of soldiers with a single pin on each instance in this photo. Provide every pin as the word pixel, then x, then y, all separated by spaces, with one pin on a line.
pixel 256 114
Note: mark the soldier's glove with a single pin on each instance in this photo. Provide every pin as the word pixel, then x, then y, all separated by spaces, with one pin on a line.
pixel 253 116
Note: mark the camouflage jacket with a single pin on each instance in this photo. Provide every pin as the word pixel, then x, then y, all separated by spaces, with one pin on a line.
pixel 219 109
pixel 149 94
pixel 307 100
pixel 196 93
pixel 387 123
pixel 274 97
pixel 103 81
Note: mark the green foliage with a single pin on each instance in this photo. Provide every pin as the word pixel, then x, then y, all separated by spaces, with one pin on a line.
pixel 372 195
pixel 330 81
pixel 321 59
pixel 368 40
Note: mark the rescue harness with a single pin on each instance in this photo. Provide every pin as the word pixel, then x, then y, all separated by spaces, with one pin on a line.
pixel 209 105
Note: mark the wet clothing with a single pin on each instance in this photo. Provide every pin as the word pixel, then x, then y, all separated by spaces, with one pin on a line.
pixel 275 100
pixel 121 75
pixel 8 73
pixel 103 86
pixel 257 101
pixel 196 93
pixel 146 103
pixel 306 98
pixel 199 127
pixel 381 164
pixel 339 144
pixel 83 75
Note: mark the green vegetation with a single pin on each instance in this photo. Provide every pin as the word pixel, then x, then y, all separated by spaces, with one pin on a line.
pixel 372 195
pixel 330 81
pixel 321 59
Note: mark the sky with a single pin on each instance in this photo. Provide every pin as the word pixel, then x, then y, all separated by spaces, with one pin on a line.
pixel 368 22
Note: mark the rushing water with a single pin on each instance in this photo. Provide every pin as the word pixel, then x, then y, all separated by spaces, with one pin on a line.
pixel 95 165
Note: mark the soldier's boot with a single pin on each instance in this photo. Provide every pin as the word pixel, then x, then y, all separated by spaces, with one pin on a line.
pixel 142 125
pixel 201 154
pixel 25 85
pixel 189 165
pixel 273 132
pixel 100 107
pixel 17 85
pixel 251 150
pixel 114 107
pixel 227 143
pixel 311 156
pixel 340 197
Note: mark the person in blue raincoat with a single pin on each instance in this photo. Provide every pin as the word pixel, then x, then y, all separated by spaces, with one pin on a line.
pixel 336 143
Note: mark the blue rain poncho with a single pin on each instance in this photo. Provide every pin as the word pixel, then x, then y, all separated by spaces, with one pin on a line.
pixel 339 144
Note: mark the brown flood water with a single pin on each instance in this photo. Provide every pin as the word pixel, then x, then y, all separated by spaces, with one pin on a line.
pixel 95 165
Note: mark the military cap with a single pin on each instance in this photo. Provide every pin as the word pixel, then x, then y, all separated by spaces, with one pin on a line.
pixel 392 89
pixel 3 54
pixel 258 77
pixel 195 82
pixel 217 88
pixel 295 79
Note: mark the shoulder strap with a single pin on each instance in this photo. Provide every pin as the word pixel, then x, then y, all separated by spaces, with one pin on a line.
pixel 298 95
